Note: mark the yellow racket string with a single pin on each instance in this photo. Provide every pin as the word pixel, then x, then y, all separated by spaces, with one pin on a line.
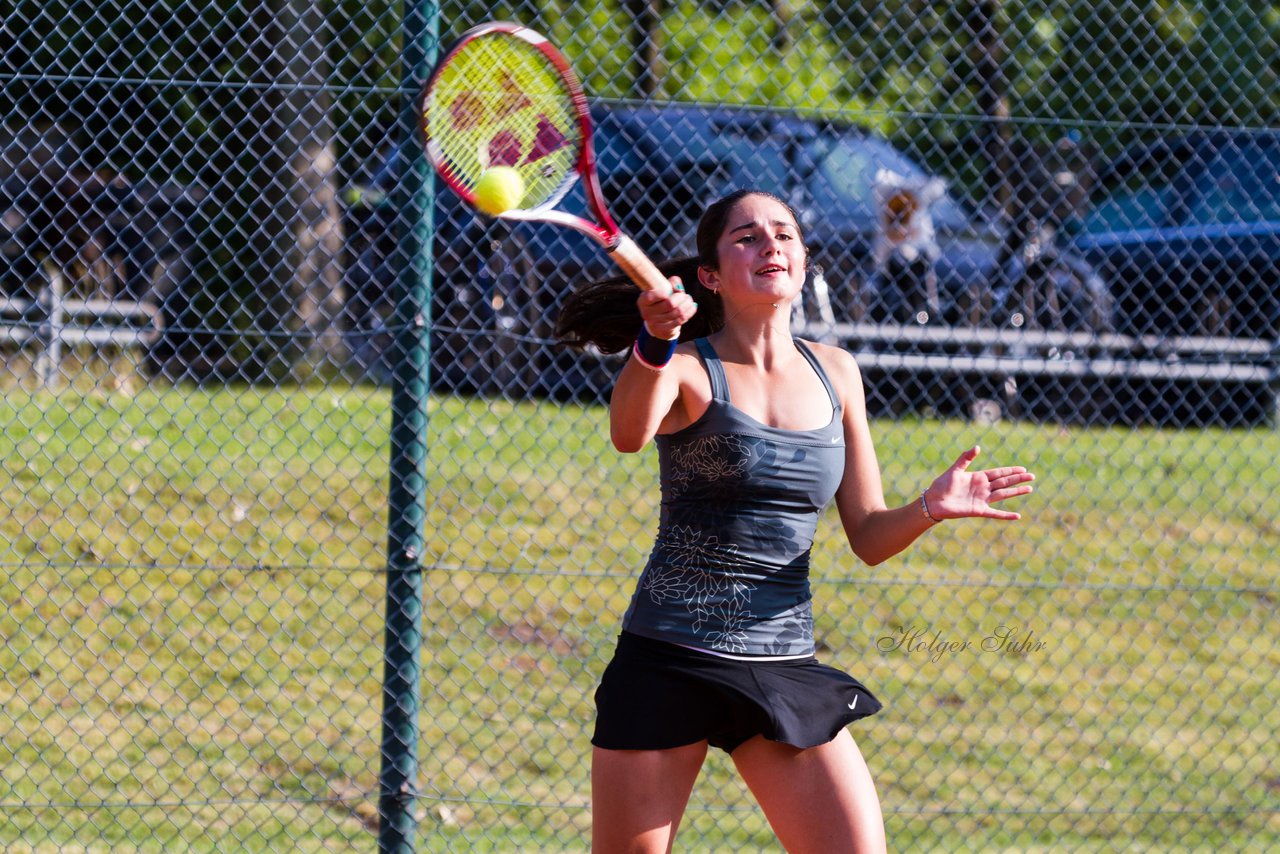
pixel 500 102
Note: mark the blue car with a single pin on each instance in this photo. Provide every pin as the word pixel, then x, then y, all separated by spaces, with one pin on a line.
pixel 661 163
pixel 1186 231
pixel 498 285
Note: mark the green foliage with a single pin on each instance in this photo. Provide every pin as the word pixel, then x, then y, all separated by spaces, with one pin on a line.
pixel 1069 63
pixel 703 63
pixel 1165 64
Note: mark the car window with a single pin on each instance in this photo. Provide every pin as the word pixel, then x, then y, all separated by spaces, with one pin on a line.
pixel 751 160
pixel 1141 188
pixel 1239 183
pixel 677 148
pixel 846 172
pixel 847 178
pixel 1136 205
pixel 1188 184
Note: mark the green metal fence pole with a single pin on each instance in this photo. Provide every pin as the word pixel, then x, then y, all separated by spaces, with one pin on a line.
pixel 401 688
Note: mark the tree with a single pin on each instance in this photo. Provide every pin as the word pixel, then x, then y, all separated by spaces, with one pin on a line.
pixel 296 233
pixel 255 130
pixel 981 35
pixel 645 35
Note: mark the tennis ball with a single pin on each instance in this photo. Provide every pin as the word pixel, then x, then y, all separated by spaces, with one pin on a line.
pixel 499 189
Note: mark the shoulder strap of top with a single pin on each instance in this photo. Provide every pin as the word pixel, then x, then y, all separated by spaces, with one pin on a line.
pixel 822 375
pixel 715 370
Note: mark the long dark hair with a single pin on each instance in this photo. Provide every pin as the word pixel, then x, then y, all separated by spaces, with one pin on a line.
pixel 604 313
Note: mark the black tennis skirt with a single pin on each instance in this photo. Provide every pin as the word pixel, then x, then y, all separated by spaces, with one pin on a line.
pixel 656 695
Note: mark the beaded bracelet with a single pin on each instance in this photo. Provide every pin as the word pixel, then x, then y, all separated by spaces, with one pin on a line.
pixel 924 506
pixel 654 353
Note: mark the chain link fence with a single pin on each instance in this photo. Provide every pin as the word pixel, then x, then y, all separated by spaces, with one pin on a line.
pixel 1049 228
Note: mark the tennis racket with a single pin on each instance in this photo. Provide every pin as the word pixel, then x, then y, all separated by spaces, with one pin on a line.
pixel 505 96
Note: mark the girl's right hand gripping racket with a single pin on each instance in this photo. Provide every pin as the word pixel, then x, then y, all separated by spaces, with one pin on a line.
pixel 504 96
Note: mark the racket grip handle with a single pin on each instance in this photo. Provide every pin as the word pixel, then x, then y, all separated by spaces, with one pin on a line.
pixel 638 267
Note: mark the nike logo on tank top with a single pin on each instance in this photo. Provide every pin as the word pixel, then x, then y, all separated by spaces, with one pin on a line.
pixel 729 571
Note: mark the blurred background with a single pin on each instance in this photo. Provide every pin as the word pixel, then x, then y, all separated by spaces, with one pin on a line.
pixel 1051 228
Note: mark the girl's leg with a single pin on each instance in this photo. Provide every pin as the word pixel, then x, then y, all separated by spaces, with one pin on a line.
pixel 638 797
pixel 817 800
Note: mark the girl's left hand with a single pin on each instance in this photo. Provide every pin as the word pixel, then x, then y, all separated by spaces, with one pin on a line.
pixel 959 493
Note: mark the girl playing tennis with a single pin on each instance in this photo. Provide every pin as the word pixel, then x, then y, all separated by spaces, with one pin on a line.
pixel 756 433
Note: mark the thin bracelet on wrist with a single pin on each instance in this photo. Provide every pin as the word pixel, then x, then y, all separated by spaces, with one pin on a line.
pixel 652 352
pixel 924 507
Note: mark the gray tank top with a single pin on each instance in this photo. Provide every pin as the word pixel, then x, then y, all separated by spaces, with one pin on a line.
pixel 729 571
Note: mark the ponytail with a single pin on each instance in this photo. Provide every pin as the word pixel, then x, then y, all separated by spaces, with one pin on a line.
pixel 604 315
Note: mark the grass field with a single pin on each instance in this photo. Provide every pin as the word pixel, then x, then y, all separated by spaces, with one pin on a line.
pixel 192 601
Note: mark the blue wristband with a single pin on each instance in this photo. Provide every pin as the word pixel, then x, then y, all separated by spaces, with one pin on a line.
pixel 653 353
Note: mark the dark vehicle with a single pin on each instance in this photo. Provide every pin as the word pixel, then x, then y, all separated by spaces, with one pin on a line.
pixel 661 163
pixel 128 243
pixel 1041 282
pixel 498 286
pixel 1187 233
pixel 479 325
